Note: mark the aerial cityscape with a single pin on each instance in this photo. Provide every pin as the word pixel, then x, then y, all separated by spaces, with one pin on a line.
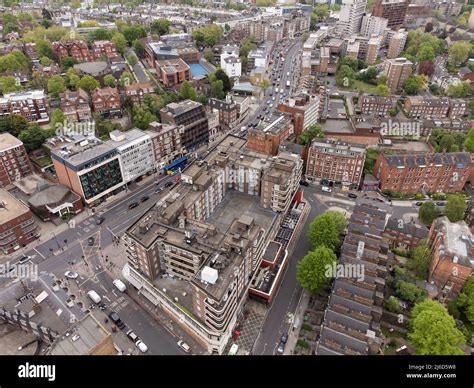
pixel 236 177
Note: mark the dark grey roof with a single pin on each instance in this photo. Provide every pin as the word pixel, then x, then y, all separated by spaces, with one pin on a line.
pixel 425 159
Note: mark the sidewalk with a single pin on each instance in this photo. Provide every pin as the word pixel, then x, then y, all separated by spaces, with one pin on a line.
pixel 298 317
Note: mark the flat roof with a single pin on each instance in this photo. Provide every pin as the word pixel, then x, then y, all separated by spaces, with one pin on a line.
pixel 8 141
pixel 11 208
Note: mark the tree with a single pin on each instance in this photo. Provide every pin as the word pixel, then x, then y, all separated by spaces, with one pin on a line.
pixel 226 83
pixel 9 84
pixel 465 300
pixel 433 331
pixel 132 33
pixel 382 79
pixel 459 89
pixel 265 84
pixel 428 212
pixel 187 92
pixel 139 49
pixel 382 90
pixel 45 61
pixel 67 63
pixel 126 79
pixel 142 117
pixel 312 270
pixel 13 124
pixel 160 27
pixel 14 61
pixel 392 304
pixel 109 80
pixel 368 75
pixel 413 84
pixel 57 119
pixel 33 137
pixel 455 207
pixel 310 133
pixel 132 59
pixel 56 85
pixel 325 230
pixel 426 68
pixel 345 76
pixel 425 53
pixel 410 292
pixel 458 53
pixel 99 34
pixel 208 35
pixel 217 90
pixel 44 49
pixel 209 56
pixel 88 83
pixel 420 259
pixel 120 42
pixel 469 142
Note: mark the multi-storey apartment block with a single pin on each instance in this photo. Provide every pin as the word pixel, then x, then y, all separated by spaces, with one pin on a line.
pixel 191 117
pixel 392 10
pixel 452 246
pixel 266 137
pixel 305 110
pixel 167 145
pixel 373 25
pixel 228 110
pixel 423 107
pixel 73 48
pixel 398 70
pixel 336 162
pixel 14 161
pixel 172 72
pixel 197 251
pixel 396 44
pixel 32 105
pixel 424 172
pixel 376 105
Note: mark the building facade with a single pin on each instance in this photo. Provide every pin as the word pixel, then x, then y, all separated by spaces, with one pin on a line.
pixel 14 161
pixel 33 105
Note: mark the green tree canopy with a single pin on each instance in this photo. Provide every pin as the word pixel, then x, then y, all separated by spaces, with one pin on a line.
pixel 413 84
pixel 56 85
pixel 160 27
pixel 13 124
pixel 208 35
pixel 420 260
pixel 465 300
pixel 469 142
pixel 88 83
pixel 33 137
pixel 433 331
pixel 187 92
pixel 312 270
pixel 9 84
pixel 459 52
pixel 325 230
pixel 428 212
pixel 455 207
pixel 459 89
pixel 120 42
pixel 109 80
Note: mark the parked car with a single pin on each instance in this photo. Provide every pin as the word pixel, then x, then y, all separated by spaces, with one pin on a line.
pixel 100 220
pixel 71 275
pixel 119 285
pixel 116 319
pixel 90 241
pixel 418 204
pixel 183 345
pixel 141 345
pixel 131 334
pixel 304 183
pixel 94 296
pixel 284 338
pixel 281 348
pixel 326 189
pixel 351 195
pixel 440 203
pixel 144 198
pixel 24 259
pixel 168 184
pixel 133 205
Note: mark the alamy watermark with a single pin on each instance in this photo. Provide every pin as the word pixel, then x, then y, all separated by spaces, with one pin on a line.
pixel 67 128
pixel 400 128
pixel 19 271
pixel 350 271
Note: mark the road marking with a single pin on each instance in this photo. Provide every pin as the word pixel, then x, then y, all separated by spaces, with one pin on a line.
pixel 105 297
pixel 105 289
pixel 39 253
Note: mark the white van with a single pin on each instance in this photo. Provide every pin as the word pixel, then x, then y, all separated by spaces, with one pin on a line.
pixel 141 345
pixel 119 285
pixel 326 189
pixel 94 296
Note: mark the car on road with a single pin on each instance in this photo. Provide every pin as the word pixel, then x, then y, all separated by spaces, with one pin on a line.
pixel 284 338
pixel 115 318
pixel 440 203
pixel 141 346
pixel 100 220
pixel 144 198
pixel 24 259
pixel 304 183
pixel 281 348
pixel 119 285
pixel 168 184
pixel 351 195
pixel 418 203
pixel 131 334
pixel 94 296
pixel 90 241
pixel 183 345
pixel 133 205
pixel 326 189
pixel 71 275
pixel 159 190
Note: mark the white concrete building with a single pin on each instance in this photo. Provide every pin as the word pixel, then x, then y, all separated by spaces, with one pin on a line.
pixel 136 155
pixel 350 19
pixel 230 61
pixel 373 25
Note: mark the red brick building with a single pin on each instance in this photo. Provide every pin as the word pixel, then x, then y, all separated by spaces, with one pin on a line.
pixel 106 102
pixel 424 172
pixel 73 48
pixel 14 161
pixel 102 48
pixel 17 225
pixel 76 106
pixel 267 136
pixel 173 71
pixel 452 245
pixel 136 92
pixel 404 235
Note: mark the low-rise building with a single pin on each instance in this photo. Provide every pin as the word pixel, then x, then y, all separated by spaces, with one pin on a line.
pixel 106 102
pixel 172 72
pixel 76 106
pixel 376 105
pixel 72 48
pixel 423 107
pixel 405 235
pixel 136 92
pixel 33 105
pixel 104 48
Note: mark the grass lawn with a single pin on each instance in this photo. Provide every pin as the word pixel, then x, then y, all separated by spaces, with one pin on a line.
pixel 45 161
pixel 392 334
pixel 364 87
